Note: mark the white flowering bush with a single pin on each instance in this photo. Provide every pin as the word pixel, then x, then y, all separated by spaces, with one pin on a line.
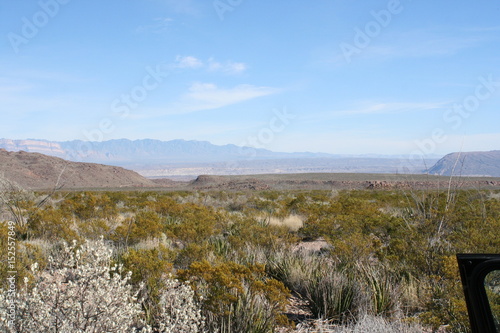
pixel 79 292
pixel 179 311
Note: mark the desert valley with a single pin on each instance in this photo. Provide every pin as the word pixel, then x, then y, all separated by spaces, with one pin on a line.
pixel 268 252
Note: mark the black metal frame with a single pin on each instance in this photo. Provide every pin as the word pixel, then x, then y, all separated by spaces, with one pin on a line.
pixel 473 271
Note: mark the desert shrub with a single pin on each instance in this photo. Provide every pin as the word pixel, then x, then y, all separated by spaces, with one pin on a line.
pixel 148 267
pixel 51 224
pixel 17 256
pixel 79 292
pixel 95 228
pixel 251 312
pixel 16 204
pixel 237 298
pixel 336 292
pixel 144 225
pixel 405 239
pixel 179 311
pixel 446 303
pixel 191 223
pixel 194 252
pixel 332 293
pixel 246 230
pixel 88 205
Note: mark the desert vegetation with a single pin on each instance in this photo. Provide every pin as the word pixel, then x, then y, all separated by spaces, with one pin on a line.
pixel 241 261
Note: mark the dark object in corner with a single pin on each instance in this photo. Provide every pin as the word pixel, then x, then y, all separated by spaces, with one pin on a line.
pixel 480 274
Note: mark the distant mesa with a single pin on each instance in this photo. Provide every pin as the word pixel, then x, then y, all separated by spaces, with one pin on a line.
pixel 480 164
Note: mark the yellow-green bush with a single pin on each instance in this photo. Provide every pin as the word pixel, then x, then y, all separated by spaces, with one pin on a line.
pixel 234 295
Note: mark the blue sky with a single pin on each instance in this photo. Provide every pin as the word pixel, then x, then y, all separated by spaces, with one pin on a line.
pixel 336 76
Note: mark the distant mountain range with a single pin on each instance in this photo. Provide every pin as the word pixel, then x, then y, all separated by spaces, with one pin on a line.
pixel 181 158
pixel 147 151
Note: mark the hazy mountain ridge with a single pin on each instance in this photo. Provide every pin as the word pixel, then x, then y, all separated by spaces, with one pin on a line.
pixel 181 158
pixel 124 151
pixel 469 164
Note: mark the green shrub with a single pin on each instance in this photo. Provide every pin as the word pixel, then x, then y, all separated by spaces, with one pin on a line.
pixel 149 266
pixel 237 298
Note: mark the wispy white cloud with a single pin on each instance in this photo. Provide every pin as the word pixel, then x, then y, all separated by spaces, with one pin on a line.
pixel 228 67
pixel 205 96
pixel 372 108
pixel 407 44
pixel 159 25
pixel 211 65
pixel 188 62
pixel 388 108
pixel 420 46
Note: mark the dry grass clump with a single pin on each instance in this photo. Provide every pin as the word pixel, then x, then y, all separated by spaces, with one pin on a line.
pixel 367 324
pixel 292 222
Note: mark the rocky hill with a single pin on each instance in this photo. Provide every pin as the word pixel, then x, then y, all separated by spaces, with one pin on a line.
pixel 38 171
pixel 469 164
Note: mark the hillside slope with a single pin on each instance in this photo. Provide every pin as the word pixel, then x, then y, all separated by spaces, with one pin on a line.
pixel 469 164
pixel 38 171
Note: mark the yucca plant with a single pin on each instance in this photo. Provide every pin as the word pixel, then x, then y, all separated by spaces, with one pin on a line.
pixel 251 313
pixel 333 295
pixel 380 290
pixel 294 268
